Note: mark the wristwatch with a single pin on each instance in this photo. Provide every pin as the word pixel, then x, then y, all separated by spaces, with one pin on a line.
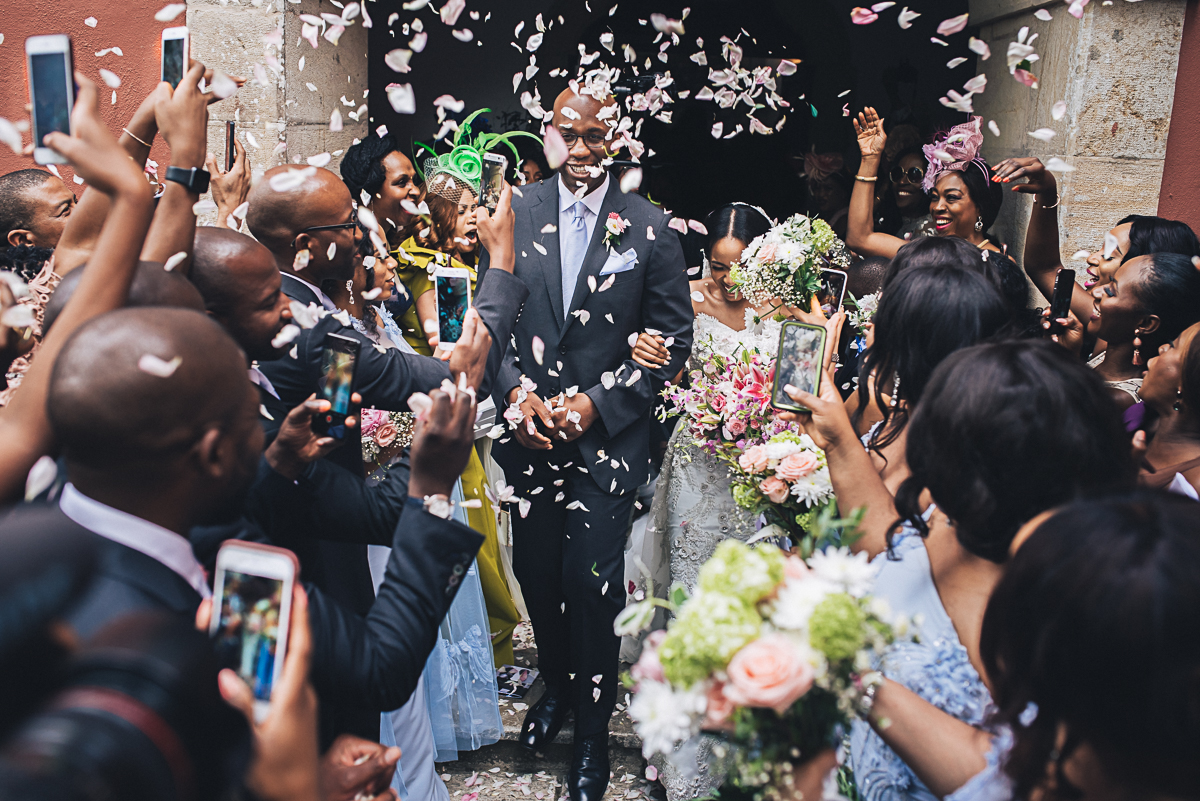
pixel 439 506
pixel 195 179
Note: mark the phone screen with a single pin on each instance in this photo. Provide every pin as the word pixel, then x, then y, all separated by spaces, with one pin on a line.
pixel 453 300
pixel 248 635
pixel 833 288
pixel 337 366
pixel 172 65
pixel 493 184
pixel 801 349
pixel 52 111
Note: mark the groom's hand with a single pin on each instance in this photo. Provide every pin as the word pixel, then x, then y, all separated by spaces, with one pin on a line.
pixel 526 431
pixel 571 417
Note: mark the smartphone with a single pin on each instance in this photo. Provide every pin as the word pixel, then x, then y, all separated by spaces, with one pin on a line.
pixel 252 610
pixel 339 356
pixel 832 291
pixel 51 90
pixel 1060 303
pixel 494 167
pixel 453 299
pixel 174 54
pixel 230 149
pixel 801 352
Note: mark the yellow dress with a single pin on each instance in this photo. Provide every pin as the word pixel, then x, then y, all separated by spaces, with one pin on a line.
pixel 502 612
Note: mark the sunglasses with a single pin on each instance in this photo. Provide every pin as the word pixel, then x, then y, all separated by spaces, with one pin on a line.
pixel 913 174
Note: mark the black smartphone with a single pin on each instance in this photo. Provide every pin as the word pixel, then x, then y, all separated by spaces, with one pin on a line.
pixel 51 91
pixel 801 352
pixel 832 291
pixel 230 149
pixel 1060 303
pixel 339 357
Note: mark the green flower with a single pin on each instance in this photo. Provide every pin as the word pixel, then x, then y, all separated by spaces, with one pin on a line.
pixel 710 629
pixel 746 573
pixel 836 627
pixel 746 496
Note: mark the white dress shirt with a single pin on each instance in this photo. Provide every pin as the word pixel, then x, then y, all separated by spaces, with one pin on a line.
pixel 160 544
pixel 592 202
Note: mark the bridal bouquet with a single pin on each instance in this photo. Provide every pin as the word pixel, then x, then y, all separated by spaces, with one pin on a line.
pixel 770 654
pixel 784 264
pixel 728 402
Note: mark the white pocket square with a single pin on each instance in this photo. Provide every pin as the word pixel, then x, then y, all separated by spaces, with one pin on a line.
pixel 620 262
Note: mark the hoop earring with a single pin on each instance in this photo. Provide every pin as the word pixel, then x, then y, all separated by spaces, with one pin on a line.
pixel 1178 405
pixel 979 224
pixel 896 390
pixel 1137 352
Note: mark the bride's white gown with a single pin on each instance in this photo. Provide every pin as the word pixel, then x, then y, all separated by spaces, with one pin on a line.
pixel 692 512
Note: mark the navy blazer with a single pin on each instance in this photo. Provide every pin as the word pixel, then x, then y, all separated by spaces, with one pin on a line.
pixel 652 295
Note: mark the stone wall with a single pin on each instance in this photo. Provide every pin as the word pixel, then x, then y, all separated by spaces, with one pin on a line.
pixel 229 36
pixel 1115 70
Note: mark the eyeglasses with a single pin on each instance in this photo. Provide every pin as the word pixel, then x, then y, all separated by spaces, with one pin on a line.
pixel 914 174
pixel 591 140
pixel 339 227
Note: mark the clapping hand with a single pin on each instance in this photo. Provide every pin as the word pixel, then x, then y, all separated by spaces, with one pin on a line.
pixel 869 128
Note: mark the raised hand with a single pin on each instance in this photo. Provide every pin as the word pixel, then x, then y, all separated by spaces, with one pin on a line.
pixel 92 150
pixel 442 441
pixel 182 116
pixel 826 421
pixel 355 768
pixel 496 232
pixel 297 445
pixel 650 352
pixel 229 189
pixel 1040 179
pixel 868 126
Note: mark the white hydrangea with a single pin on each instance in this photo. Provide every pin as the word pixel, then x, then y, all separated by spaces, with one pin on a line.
pixel 852 573
pixel 664 717
pixel 797 599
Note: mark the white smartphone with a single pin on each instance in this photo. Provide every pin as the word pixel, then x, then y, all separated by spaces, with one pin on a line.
pixel 494 167
pixel 453 296
pixel 252 611
pixel 51 90
pixel 174 55
pixel 832 291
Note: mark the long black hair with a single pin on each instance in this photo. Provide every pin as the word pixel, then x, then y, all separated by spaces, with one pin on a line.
pixel 1095 622
pixel 1006 431
pixel 1149 234
pixel 739 221
pixel 925 313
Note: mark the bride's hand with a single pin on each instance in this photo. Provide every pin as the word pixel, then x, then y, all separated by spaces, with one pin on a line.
pixel 826 421
pixel 650 352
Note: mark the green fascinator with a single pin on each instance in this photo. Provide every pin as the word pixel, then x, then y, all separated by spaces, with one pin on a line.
pixel 447 173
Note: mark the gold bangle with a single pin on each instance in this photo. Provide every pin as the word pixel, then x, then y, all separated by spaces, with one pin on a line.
pixel 865 179
pixel 136 137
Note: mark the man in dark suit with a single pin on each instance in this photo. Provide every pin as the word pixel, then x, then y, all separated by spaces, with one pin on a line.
pixel 601 266
pixel 156 447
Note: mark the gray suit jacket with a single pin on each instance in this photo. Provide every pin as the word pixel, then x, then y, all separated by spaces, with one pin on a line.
pixel 652 295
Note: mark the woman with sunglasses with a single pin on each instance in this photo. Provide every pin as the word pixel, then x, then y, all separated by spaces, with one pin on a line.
pixel 906 196
pixel 963 202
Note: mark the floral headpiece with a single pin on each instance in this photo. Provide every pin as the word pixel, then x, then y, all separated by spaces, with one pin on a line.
pixel 956 151
pixel 819 166
pixel 447 173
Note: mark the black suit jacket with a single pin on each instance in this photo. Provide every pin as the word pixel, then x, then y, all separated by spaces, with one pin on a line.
pixel 652 295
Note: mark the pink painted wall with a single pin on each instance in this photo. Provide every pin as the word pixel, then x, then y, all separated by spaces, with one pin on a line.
pixel 1181 173
pixel 128 24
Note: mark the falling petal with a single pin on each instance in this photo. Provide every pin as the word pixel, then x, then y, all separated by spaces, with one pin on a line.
pixel 976 84
pixel 463 35
pixel 534 42
pixel 786 67
pixel 1075 9
pixel 1110 244
pixel 634 378
pixel 110 78
pixel 319 160
pixel 175 261
pixel 402 98
pixel 664 24
pixel 697 297
pixel 223 86
pixel 1026 77
pixel 149 363
pixel 1044 134
pixel 555 148
pixel 335 120
pixel 40 477
pixel 451 11
pixel 906 18
pixel 286 334
pixel 19 316
pixel 862 16
pixel 1055 164
pixel 979 46
pixel 539 349
pixel 717 129
pixel 881 6
pixel 632 340
pixel 953 25
pixel 954 62
pixel 418 42
pixel 1080 255
pixel 608 380
pixel 631 180
pixel 1059 110
pixel 398 59
pixel 301 260
pixel 938 41
pixel 170 12
pixel 678 224
pixel 91 22
pixel 993 127
pixel 1043 15
pixel 698 227
pixel 650 233
pixel 203 207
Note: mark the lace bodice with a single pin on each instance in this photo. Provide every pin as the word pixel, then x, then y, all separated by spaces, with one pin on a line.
pixel 936 668
pixel 710 335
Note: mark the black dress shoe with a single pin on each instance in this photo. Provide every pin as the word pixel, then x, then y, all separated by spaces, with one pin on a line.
pixel 544 720
pixel 588 778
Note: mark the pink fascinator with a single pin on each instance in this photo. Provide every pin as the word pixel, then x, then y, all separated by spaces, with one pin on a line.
pixel 957 150
pixel 819 166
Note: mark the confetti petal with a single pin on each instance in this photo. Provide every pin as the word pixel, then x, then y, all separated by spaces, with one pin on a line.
pixel 1055 164
pixel 1044 134
pixel 953 25
pixel 555 148
pixel 1043 15
pixel 1110 244
pixel 906 17
pixel 993 127
pixel 862 16
pixel 539 349
pixel 1059 110
pixel 402 98
pixel 954 62
pixel 1080 255
pixel 979 46
pixel 40 477
pixel 170 12
pixel 398 59
pixel 149 363
pixel 286 334
pixel 110 78
pixel 175 261
pixel 631 180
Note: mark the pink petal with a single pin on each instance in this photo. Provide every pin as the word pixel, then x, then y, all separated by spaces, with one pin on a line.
pixel 555 148
pixel 952 25
pixel 862 16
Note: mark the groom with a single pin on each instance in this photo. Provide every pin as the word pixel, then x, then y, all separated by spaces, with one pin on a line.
pixel 582 447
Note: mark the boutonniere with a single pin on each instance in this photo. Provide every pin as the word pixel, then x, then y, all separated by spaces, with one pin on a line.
pixel 614 226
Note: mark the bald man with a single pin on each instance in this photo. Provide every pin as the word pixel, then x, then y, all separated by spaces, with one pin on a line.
pixel 592 440
pixel 152 286
pixel 34 207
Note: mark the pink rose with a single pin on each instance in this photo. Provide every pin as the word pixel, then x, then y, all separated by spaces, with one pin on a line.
pixel 795 569
pixel 766 253
pixel 717 403
pixel 648 667
pixel 386 434
pixel 736 426
pixel 769 673
pixel 775 489
pixel 719 708
pixel 370 419
pixel 796 466
pixel 754 460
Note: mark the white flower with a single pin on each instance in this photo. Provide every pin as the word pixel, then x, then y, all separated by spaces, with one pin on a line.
pixel 663 717
pixel 634 619
pixel 782 449
pixel 797 599
pixel 813 488
pixel 853 572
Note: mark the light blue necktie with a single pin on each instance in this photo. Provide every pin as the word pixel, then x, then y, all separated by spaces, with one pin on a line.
pixel 574 248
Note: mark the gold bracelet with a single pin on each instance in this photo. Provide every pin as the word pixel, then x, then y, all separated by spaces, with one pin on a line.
pixel 865 179
pixel 136 137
